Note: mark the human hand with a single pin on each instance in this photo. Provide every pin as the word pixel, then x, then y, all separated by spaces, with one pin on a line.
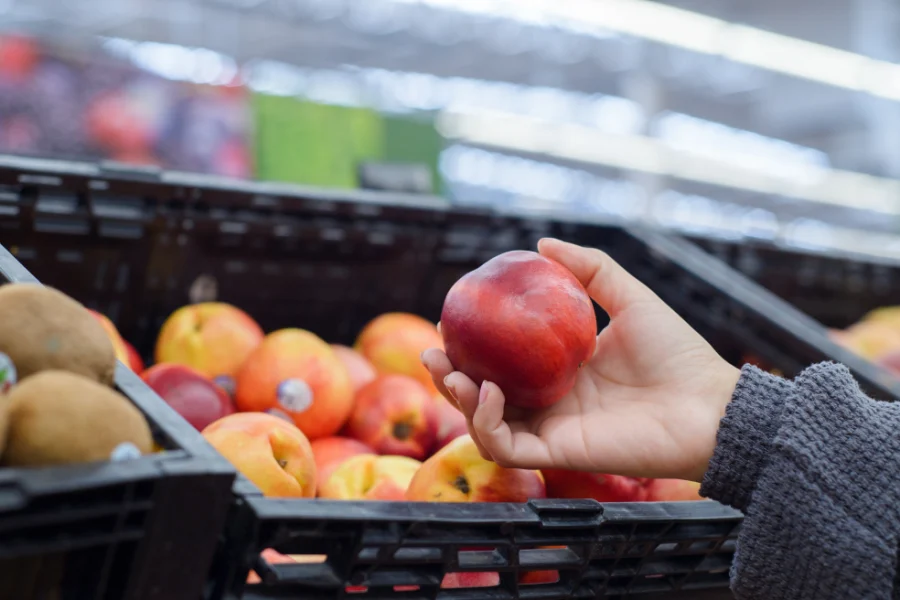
pixel 647 404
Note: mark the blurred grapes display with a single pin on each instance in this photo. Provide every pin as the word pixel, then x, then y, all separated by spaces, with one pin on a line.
pixel 88 104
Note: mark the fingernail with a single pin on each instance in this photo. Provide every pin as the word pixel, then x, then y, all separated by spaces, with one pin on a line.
pixel 483 393
pixel 422 358
pixel 450 388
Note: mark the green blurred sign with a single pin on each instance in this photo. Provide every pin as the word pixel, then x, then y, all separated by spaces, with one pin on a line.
pixel 315 144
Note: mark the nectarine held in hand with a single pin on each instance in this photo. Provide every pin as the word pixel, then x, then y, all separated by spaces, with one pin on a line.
pixel 522 321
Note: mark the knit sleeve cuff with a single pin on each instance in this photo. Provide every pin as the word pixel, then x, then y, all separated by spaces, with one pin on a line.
pixel 745 435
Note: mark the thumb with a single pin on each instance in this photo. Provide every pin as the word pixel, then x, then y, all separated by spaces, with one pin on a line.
pixel 611 286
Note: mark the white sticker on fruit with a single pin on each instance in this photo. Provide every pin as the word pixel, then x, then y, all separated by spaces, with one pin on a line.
pixel 226 382
pixel 294 395
pixel 124 451
pixel 8 375
pixel 280 414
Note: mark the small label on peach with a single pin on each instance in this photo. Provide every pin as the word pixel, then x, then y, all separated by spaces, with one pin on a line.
pixel 226 382
pixel 280 414
pixel 124 451
pixel 294 395
pixel 8 375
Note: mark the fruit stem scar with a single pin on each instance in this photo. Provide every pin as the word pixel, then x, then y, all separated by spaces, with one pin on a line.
pixel 282 463
pixel 402 431
pixel 461 484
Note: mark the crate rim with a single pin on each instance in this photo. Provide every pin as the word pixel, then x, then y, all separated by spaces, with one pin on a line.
pixel 484 513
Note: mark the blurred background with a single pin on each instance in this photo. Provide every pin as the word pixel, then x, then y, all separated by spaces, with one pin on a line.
pixel 772 121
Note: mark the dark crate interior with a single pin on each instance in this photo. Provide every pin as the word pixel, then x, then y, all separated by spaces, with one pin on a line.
pixel 835 289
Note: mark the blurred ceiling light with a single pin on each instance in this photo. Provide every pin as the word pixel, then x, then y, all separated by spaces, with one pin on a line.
pixel 542 120
pixel 694 31
pixel 637 153
pixel 536 184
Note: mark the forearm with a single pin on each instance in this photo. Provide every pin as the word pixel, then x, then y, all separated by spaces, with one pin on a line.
pixel 815 466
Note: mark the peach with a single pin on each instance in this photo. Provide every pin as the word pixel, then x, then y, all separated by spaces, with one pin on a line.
pixel 371 477
pixel 118 343
pixel 134 359
pixel 394 414
pixel 457 473
pixel 268 451
pixel 887 315
pixel 603 488
pixel 451 423
pixel 522 321
pixel 330 452
pixel 870 339
pixel 394 342
pixel 361 370
pixel 212 337
pixel 192 395
pixel 673 490
pixel 295 373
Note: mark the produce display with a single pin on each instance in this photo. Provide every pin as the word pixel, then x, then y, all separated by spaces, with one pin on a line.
pixel 59 406
pixel 875 337
pixel 304 418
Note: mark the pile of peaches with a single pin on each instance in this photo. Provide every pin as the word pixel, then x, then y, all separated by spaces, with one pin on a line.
pixel 303 418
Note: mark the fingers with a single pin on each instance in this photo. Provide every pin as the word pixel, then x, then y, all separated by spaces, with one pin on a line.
pixel 611 286
pixel 439 367
pixel 465 391
pixel 484 410
pixel 507 445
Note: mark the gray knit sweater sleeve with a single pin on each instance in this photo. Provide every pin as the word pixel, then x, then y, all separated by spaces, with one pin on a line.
pixel 814 464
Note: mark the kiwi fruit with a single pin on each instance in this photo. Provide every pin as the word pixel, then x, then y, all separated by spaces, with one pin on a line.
pixel 4 422
pixel 57 417
pixel 41 328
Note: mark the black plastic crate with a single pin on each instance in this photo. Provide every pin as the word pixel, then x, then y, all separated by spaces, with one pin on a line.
pixel 835 288
pixel 143 529
pixel 331 261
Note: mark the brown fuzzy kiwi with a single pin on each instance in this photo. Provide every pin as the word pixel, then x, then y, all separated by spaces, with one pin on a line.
pixel 4 422
pixel 41 328
pixel 56 418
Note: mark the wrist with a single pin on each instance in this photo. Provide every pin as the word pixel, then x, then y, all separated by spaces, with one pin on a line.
pixel 745 435
pixel 722 384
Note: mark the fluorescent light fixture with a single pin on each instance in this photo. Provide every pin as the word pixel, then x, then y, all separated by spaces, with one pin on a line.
pixel 588 128
pixel 639 153
pixel 694 31
pixel 481 176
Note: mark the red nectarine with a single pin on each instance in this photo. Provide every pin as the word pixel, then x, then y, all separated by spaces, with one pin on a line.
pixel 600 487
pixel 192 395
pixel 330 452
pixel 395 414
pixel 522 321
